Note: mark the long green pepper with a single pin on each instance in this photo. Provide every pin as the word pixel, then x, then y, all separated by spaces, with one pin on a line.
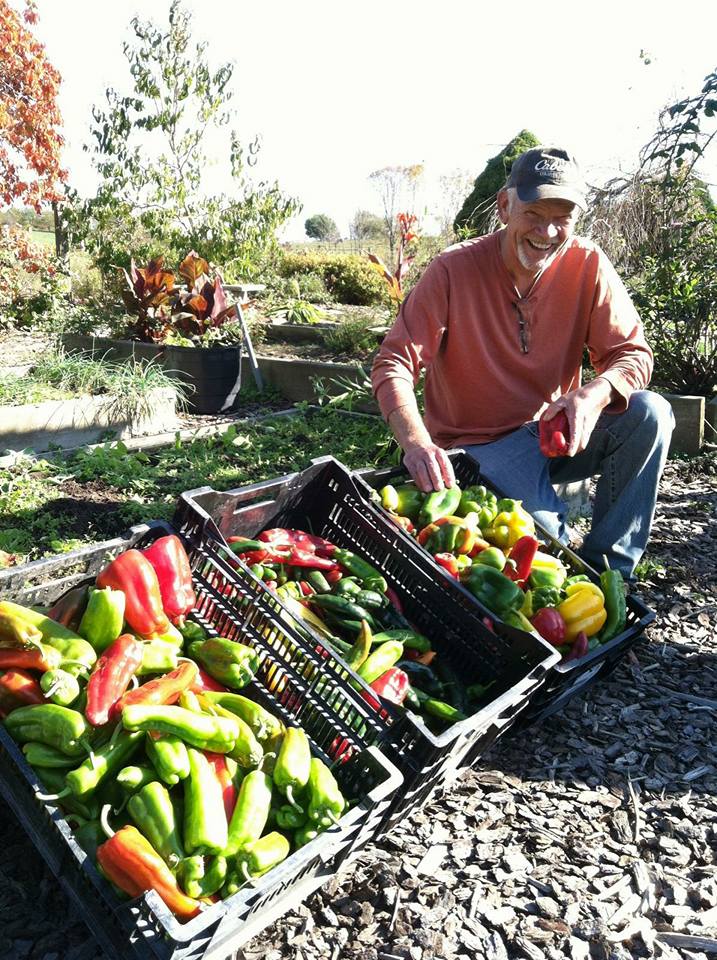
pixel 153 814
pixel 169 757
pixel 251 811
pixel 293 765
pixel 205 821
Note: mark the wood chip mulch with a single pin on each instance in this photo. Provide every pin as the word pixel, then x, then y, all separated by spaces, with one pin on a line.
pixel 593 836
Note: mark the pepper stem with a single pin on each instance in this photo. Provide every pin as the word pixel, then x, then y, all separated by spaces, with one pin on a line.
pixel 105 821
pixel 329 814
pixel 53 796
pixel 244 871
pixel 290 798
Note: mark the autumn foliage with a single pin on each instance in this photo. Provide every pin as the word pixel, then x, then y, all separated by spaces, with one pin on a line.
pixel 30 139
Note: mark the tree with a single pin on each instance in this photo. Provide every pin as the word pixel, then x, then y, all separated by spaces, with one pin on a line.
pixel 30 121
pixel 367 226
pixel 321 227
pixel 153 149
pixel 397 187
pixel 476 216
pixel 454 187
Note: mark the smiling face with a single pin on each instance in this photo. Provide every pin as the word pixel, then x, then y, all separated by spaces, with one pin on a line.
pixel 533 233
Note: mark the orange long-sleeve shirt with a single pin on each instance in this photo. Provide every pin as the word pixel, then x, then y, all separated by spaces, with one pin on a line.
pixel 462 324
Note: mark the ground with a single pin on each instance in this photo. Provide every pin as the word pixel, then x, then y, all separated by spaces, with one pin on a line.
pixel 591 835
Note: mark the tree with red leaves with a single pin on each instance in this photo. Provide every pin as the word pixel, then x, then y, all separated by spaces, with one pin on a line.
pixel 30 138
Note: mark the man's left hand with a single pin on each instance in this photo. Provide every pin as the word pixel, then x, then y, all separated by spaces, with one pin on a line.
pixel 582 408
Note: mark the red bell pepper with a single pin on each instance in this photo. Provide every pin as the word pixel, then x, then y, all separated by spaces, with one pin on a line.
pixel 111 677
pixel 522 555
pixel 162 690
pixel 174 574
pixel 18 688
pixel 579 648
pixel 550 625
pixel 133 865
pixel 448 562
pixel 133 574
pixel 42 658
pixel 307 542
pixel 554 435
pixel 392 685
pixel 218 763
pixel 203 682
pixel 69 608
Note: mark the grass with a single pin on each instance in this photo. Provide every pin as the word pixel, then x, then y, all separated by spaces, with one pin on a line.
pixel 58 375
pixel 49 507
pixel 44 238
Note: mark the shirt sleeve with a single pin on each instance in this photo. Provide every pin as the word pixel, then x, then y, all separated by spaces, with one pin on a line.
pixel 616 340
pixel 412 341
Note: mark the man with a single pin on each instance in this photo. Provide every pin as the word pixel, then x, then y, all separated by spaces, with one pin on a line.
pixel 500 324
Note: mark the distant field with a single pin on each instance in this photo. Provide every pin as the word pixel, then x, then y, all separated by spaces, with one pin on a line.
pixel 44 238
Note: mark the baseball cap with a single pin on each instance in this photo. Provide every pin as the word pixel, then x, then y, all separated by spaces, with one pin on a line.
pixel 548 173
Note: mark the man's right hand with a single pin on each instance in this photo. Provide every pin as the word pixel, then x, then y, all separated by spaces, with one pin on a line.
pixel 427 463
pixel 430 467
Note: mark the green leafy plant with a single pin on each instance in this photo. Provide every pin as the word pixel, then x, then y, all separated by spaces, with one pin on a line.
pixel 296 309
pixel 154 146
pixel 349 278
pixel 351 338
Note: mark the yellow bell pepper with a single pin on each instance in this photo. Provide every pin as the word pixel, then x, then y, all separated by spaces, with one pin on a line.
pixel 585 585
pixel 583 611
pixel 509 526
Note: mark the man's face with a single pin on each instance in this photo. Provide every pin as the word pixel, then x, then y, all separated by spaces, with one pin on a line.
pixel 534 231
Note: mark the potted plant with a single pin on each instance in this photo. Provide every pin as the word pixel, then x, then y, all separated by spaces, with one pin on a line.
pixel 183 321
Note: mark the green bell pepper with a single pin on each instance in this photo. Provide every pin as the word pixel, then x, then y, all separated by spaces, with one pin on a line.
pixel 205 822
pixel 103 618
pixel 153 814
pixel 493 589
pixel 480 500
pixel 439 503
pixel 233 664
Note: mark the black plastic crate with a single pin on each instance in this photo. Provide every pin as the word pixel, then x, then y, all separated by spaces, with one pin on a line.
pixel 324 500
pixel 293 682
pixel 567 679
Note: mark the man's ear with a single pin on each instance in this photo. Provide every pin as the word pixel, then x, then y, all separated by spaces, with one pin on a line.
pixel 503 200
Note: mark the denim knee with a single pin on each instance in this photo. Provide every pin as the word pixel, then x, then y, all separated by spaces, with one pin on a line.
pixel 652 410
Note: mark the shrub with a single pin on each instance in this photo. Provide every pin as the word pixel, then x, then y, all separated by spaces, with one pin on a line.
pixel 351 339
pixel 349 279
pixel 676 295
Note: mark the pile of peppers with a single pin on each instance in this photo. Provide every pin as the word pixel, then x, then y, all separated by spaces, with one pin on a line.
pixel 489 545
pixel 349 603
pixel 131 716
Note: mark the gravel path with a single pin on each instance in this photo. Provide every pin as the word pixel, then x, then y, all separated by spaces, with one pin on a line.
pixel 591 837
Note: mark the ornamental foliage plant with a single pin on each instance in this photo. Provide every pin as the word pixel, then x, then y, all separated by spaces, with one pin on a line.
pixel 153 148
pixel 170 307
pixel 30 121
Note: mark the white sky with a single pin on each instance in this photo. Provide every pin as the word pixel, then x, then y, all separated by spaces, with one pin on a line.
pixel 337 90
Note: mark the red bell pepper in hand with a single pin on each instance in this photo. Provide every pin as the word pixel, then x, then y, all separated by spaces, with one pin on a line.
pixel 522 555
pixel 133 574
pixel 550 625
pixel 171 564
pixel 18 688
pixel 554 435
pixel 111 677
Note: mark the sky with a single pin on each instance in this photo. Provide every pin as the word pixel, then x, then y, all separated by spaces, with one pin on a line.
pixel 337 90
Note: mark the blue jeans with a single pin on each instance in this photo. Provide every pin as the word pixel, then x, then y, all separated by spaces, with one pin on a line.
pixel 628 450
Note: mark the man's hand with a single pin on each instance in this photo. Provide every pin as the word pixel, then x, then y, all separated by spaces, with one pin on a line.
pixel 430 467
pixel 427 463
pixel 582 408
